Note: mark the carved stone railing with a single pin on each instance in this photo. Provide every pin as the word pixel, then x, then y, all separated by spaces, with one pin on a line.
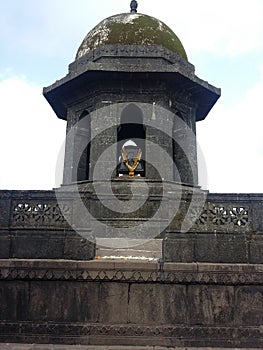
pixel 237 212
pixel 38 213
pixel 34 219
pixel 227 212
pixel 223 216
pixel 30 209
pixel 228 229
pixel 34 225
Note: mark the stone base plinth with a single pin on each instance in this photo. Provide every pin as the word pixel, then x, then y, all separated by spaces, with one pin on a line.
pixel 131 303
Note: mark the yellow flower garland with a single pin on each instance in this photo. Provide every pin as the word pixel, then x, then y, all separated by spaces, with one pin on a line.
pixel 132 167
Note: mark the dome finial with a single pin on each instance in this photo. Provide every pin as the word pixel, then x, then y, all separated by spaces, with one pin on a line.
pixel 134 6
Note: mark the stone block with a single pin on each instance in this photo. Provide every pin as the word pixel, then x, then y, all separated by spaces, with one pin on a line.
pixel 5 207
pixel 157 304
pixel 81 209
pixel 257 221
pixel 14 300
pixel 64 301
pixel 206 247
pixel 78 247
pixel 5 241
pixel 37 244
pixel 256 249
pixel 249 306
pixel 220 247
pixel 211 305
pixel 179 249
pixel 231 248
pixel 113 306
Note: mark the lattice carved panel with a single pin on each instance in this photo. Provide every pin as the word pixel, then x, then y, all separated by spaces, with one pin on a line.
pixel 226 216
pixel 39 214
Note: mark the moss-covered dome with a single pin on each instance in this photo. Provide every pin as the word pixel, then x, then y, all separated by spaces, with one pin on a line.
pixel 131 29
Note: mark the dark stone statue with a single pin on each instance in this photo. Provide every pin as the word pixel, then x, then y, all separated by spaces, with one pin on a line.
pixel 134 6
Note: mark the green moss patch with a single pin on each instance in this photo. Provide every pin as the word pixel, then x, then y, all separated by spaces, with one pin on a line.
pixel 129 29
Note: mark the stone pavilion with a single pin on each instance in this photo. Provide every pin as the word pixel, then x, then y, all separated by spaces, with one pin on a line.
pixel 136 259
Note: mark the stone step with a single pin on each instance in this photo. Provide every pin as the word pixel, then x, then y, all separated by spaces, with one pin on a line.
pixel 129 247
pixel 132 253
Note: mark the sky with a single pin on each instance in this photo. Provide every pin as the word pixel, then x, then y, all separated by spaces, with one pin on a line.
pixel 223 39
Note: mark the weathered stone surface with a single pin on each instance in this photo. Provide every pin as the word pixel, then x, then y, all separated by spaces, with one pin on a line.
pixel 257 221
pixel 181 249
pixel 131 29
pixel 211 305
pixel 14 299
pixel 77 247
pixel 256 249
pixel 5 207
pixel 211 247
pixel 5 243
pixel 159 304
pixel 113 306
pixel 64 302
pixel 249 301
pixel 225 248
pixel 131 303
pixel 37 244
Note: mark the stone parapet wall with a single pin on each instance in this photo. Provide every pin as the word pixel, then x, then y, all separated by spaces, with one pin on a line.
pixel 32 226
pixel 227 229
pixel 39 209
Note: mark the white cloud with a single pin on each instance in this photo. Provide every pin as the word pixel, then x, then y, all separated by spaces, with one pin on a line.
pixel 231 140
pixel 57 27
pixel 52 28
pixel 223 28
pixel 30 137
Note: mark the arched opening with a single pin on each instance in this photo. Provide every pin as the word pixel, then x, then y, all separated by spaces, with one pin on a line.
pixel 132 130
pixel 83 140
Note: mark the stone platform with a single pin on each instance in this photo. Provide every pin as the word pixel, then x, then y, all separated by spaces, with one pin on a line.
pixel 206 292
pixel 95 303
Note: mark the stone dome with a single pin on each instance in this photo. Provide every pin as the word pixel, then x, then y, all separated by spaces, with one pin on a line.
pixel 131 29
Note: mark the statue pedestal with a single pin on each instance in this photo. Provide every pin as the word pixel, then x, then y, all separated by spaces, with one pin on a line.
pixel 133 248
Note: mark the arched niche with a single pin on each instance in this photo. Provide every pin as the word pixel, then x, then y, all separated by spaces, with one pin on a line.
pixel 131 128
